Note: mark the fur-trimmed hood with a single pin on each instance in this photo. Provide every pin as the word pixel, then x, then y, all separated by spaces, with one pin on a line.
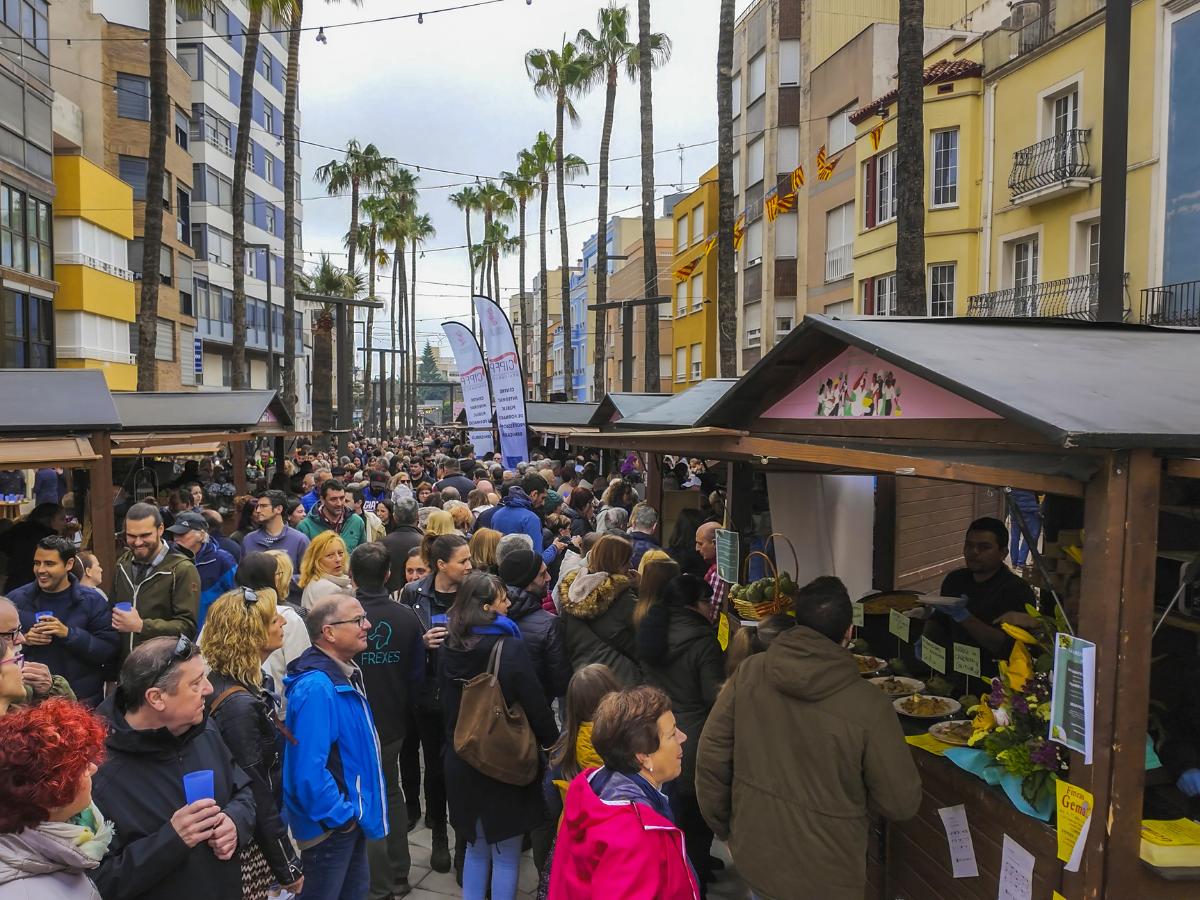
pixel 588 595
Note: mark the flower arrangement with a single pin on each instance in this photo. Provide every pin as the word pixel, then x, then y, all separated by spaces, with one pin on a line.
pixel 1011 722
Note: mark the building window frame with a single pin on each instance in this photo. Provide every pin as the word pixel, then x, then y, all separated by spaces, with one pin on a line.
pixel 943 163
pixel 840 131
pixel 133 96
pixel 942 288
pixel 879 189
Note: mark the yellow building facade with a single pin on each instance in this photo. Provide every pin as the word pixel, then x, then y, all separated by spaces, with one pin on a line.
pixel 694 305
pixel 95 304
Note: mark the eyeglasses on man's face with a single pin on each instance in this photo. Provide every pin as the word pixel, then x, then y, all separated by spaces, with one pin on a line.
pixel 357 621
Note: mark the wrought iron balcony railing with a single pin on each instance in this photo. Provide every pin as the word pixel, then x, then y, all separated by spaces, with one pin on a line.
pixel 1050 163
pixel 1077 297
pixel 1172 304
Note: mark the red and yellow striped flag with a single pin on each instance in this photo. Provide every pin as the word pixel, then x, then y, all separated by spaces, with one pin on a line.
pixel 711 245
pixel 684 272
pixel 771 204
pixel 786 203
pixel 798 178
pixel 825 165
pixel 876 135
pixel 739 231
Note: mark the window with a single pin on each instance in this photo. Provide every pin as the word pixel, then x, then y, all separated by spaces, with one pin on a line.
pixel 698 224
pixel 25 227
pixel 841 129
pixel 754 242
pixel 1093 248
pixel 681 305
pixel 183 216
pixel 789 62
pixel 12 228
pixel 839 242
pixel 754 170
pixel 226 371
pixel 220 247
pixel 681 364
pixel 783 324
pixel 1025 263
pixel 737 176
pixel 879 296
pixel 132 170
pixel 664 312
pixel 697 291
pixel 26 330
pixel 184 281
pixel 183 128
pixel 737 95
pixel 133 97
pixel 268 168
pixel 788 151
pixel 189 59
pixel 945 168
pixel 218 190
pixel 265 64
pixel 166 264
pixel 187 350
pixel 758 77
pixel 271 216
pixel 216 73
pixel 218 132
pixel 785 317
pixel 753 320
pixel 37 230
pixel 879 189
pixel 681 233
pixel 941 290
pixel 697 362
pixel 164 341
pixel 269 117
pixel 841 308
pixel 787 235
pixel 1065 112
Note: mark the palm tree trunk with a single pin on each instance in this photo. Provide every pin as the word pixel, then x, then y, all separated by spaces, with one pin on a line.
pixel 291 92
pixel 412 337
pixel 522 299
pixel 544 325
pixel 649 241
pixel 160 124
pixel 910 161
pixel 405 326
pixel 601 327
pixel 238 379
pixel 345 340
pixel 564 252
pixel 496 274
pixel 322 362
pixel 367 368
pixel 726 277
pixel 471 262
pixel 392 325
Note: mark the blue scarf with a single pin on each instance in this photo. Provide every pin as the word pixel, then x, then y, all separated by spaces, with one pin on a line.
pixel 501 625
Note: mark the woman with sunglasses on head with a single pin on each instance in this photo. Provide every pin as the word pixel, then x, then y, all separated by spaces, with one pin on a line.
pixel 495 815
pixel 244 627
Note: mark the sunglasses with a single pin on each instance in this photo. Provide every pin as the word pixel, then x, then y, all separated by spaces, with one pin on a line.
pixel 184 650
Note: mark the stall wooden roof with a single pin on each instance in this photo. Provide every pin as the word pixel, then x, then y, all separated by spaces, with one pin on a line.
pixel 55 401
pixel 558 415
pixel 165 412
pixel 617 406
pixel 682 410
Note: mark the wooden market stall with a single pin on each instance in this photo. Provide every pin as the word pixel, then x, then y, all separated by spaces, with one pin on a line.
pixel 62 417
pixel 1095 414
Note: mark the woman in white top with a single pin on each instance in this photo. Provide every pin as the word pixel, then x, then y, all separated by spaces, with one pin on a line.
pixel 323 569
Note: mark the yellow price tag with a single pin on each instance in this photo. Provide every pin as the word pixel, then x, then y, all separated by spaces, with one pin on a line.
pixel 723 632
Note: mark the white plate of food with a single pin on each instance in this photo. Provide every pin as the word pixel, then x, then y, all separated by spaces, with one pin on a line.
pixel 898 686
pixel 869 665
pixel 957 732
pixel 926 706
pixel 935 600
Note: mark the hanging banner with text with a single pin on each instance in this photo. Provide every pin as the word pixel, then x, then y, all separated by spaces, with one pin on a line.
pixel 474 379
pixel 508 382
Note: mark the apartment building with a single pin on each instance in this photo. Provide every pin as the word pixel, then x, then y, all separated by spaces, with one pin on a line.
pixel 27 190
pixel 628 281
pixel 519 305
pixel 211 49
pixel 694 286
pixel 553 317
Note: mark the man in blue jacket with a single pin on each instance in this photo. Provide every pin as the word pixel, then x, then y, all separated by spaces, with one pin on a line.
pixel 216 566
pixel 516 514
pixel 333 788
pixel 68 626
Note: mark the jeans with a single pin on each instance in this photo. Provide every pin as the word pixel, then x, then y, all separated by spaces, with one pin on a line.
pixel 504 859
pixel 336 868
pixel 1018 549
pixel 388 858
pixel 428 730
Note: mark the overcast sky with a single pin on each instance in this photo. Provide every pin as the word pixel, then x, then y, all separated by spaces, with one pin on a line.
pixel 453 93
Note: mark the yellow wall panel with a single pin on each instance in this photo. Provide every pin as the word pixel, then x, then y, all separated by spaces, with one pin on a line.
pixel 88 192
pixel 90 290
pixel 119 376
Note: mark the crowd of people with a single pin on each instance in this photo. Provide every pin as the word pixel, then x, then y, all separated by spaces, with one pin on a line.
pixel 399 632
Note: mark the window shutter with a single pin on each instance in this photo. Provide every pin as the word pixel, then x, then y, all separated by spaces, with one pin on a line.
pixel 869 193
pixel 869 297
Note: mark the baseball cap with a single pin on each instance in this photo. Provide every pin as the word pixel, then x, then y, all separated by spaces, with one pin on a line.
pixel 188 521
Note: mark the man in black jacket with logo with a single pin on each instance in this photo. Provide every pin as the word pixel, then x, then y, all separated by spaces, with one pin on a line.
pixel 392 665
pixel 166 847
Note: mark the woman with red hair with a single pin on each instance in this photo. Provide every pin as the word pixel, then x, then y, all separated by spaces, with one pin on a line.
pixel 51 833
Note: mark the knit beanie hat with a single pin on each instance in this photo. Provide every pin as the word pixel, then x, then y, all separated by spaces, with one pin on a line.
pixel 520 567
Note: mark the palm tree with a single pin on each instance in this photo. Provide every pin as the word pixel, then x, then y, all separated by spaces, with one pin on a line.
pixel 562 74
pixel 726 277
pixel 612 51
pixel 241 158
pixel 420 230
pixel 374 208
pixel 496 204
pixel 327 281
pixel 649 240
pixel 521 187
pixel 290 96
pixel 467 200
pixel 401 191
pixel 360 168
pixel 910 160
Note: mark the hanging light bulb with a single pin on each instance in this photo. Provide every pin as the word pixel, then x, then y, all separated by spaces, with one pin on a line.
pixel 321 39
pixel 420 18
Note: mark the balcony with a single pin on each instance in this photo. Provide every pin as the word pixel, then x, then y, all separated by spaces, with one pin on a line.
pixel 839 262
pixel 1172 304
pixel 1030 25
pixel 1077 297
pixel 1058 165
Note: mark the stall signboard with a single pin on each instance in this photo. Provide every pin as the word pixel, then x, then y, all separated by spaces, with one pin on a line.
pixel 474 379
pixel 1074 816
pixel 856 612
pixel 1073 694
pixel 729 555
pixel 899 624
pixel 933 655
pixel 966 659
pixel 508 381
pixel 858 385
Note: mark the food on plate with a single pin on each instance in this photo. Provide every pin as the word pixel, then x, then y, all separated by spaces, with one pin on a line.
pixel 882 604
pixel 895 686
pixel 867 664
pixel 924 706
pixel 957 732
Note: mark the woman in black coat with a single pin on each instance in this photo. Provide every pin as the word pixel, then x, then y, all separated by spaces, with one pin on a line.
pixel 497 814
pixel 242 629
pixel 526 578
pixel 689 667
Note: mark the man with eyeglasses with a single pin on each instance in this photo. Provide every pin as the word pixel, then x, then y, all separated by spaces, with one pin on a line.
pixel 333 787
pixel 40 683
pixel 164 846
pixel 273 533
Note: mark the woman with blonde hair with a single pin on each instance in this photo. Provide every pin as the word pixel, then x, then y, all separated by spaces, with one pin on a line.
pixel 243 628
pixel 483 549
pixel 460 513
pixel 597 603
pixel 655 570
pixel 323 568
pixel 273 569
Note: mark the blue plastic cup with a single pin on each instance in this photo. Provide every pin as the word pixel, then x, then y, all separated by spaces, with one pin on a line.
pixel 124 607
pixel 42 614
pixel 198 785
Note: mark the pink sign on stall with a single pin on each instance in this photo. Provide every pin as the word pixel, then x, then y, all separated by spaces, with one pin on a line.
pixel 859 385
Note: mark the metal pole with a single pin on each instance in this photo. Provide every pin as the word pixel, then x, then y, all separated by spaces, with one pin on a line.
pixel 1114 161
pixel 343 415
pixel 627 348
pixel 382 395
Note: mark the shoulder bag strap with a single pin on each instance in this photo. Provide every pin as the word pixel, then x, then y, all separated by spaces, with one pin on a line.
pixel 223 696
pixel 494 660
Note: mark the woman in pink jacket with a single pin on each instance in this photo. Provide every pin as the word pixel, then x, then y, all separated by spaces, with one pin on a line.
pixel 617 837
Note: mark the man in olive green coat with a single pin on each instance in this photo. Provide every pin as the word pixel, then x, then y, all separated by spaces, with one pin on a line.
pixel 798 754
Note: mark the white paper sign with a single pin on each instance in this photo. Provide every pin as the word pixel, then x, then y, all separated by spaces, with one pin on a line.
pixel 1016 872
pixel 958 834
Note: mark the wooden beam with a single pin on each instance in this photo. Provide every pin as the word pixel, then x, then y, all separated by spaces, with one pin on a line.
pixel 100 504
pixel 237 459
pixel 1183 468
pixel 654 484
pixel 899 464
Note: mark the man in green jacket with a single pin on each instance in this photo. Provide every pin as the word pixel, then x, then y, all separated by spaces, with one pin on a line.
pixel 333 513
pixel 800 751
pixel 160 586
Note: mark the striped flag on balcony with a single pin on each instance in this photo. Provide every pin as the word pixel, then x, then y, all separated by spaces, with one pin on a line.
pixel 684 272
pixel 876 136
pixel 711 245
pixel 786 203
pixel 797 178
pixel 825 165
pixel 772 206
pixel 739 231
